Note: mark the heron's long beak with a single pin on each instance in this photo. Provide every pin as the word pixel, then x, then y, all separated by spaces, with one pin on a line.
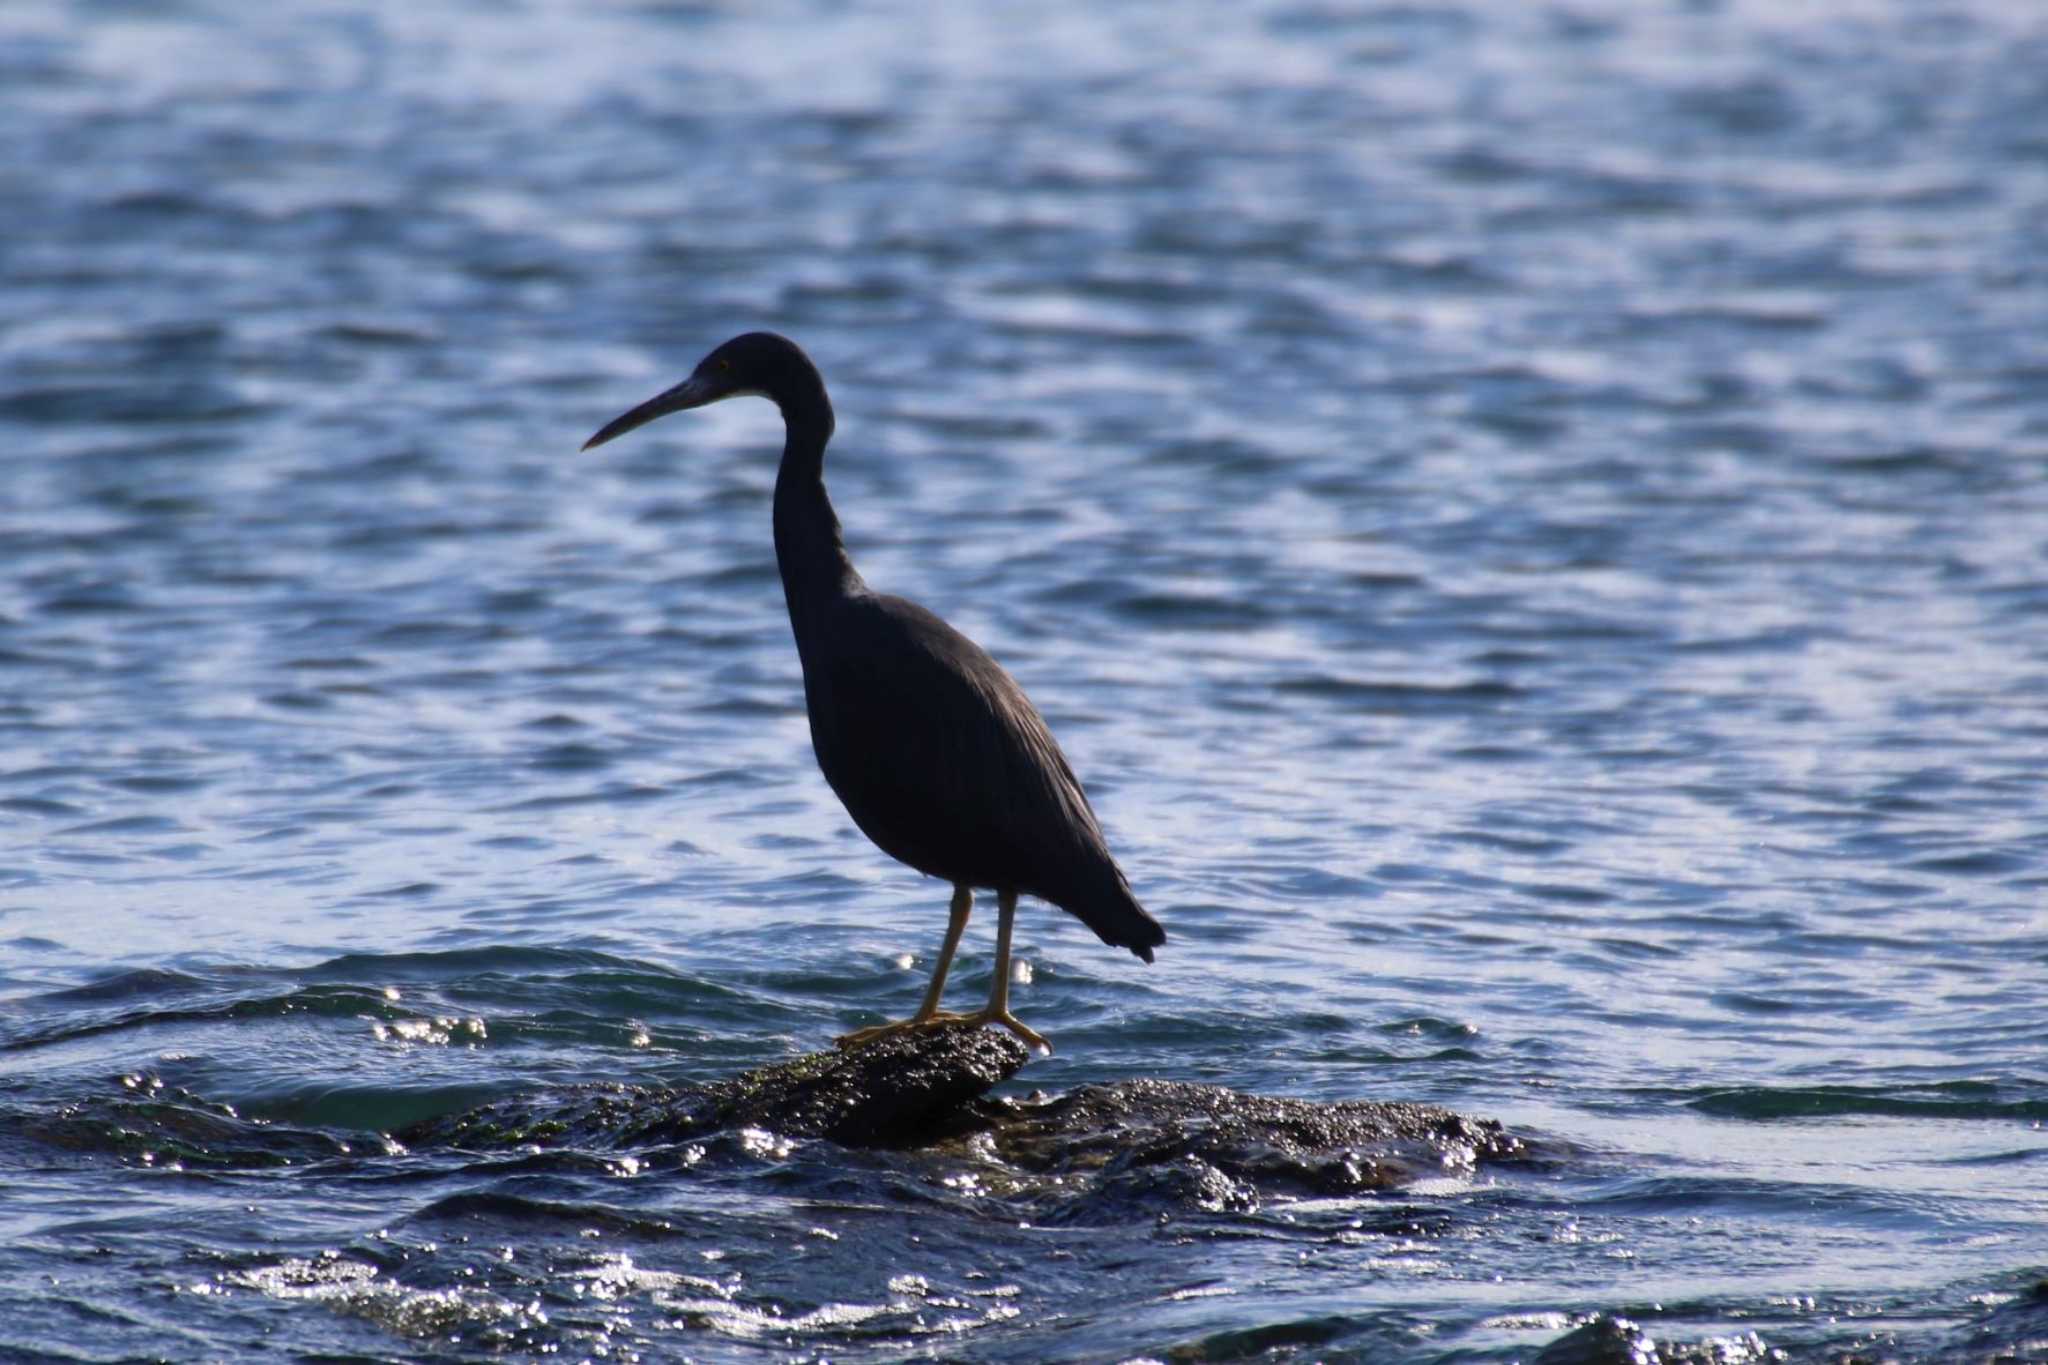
pixel 691 393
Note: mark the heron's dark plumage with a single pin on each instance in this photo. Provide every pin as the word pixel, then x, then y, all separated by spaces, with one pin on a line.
pixel 934 749
pixel 944 762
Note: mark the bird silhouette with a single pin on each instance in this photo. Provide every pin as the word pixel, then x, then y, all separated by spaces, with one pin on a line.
pixel 932 746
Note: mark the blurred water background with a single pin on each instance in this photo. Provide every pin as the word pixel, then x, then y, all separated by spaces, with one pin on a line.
pixel 1530 520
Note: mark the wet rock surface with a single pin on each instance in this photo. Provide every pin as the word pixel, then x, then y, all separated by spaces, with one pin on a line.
pixel 904 1091
pixel 1094 1147
pixel 1299 1146
pixel 1607 1339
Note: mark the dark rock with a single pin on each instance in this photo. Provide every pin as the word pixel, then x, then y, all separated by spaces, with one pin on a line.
pixel 2014 1328
pixel 1093 1154
pixel 1087 1155
pixel 1609 1340
pixel 1318 1149
pixel 1602 1341
pixel 907 1090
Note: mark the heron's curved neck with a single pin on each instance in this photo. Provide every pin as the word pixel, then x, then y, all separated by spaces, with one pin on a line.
pixel 808 549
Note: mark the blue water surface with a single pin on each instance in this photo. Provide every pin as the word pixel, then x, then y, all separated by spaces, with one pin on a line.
pixel 1530 520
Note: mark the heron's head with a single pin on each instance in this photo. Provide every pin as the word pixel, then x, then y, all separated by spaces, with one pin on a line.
pixel 760 364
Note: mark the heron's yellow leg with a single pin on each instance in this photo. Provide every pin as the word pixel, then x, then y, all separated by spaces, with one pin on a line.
pixel 997 1010
pixel 929 1012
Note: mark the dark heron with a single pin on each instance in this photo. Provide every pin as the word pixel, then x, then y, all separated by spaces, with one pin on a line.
pixel 936 752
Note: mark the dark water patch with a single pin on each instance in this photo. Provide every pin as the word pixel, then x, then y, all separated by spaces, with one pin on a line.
pixel 404 891
pixel 1406 872
pixel 1220 457
pixel 94 599
pixel 439 680
pixel 157 783
pixel 1187 611
pixel 390 536
pixel 1729 434
pixel 16 658
pixel 1913 460
pixel 87 858
pixel 1748 1003
pixel 978 427
pixel 504 1212
pixel 41 806
pixel 162 203
pixel 361 1112
pixel 317 1003
pixel 439 966
pixel 736 778
pixel 1316 884
pixel 1213 922
pixel 669 512
pixel 1401 698
pixel 1425 1026
pixel 127 825
pixel 1760 315
pixel 1087 591
pixel 745 708
pixel 374 335
pixel 1268 1340
pixel 354 470
pixel 1980 863
pixel 298 701
pixel 1780 640
pixel 167 1129
pixel 1529 845
pixel 2015 1157
pixel 564 993
pixel 1850 1101
pixel 1386 582
pixel 149 981
pixel 1565 893
pixel 1681 1196
pixel 610 793
pixel 127 404
pixel 1641 949
pixel 525 843
pixel 155 514
pixel 430 634
pixel 1753 107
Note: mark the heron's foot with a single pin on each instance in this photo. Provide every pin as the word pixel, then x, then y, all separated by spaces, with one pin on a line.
pixel 846 1042
pixel 862 1037
pixel 1004 1019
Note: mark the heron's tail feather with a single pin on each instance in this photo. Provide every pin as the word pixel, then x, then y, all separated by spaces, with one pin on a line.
pixel 1118 920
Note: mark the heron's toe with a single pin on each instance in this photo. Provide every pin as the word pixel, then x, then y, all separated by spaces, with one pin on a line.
pixel 862 1037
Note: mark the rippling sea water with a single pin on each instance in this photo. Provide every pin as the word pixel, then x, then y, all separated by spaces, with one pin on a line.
pixel 1532 521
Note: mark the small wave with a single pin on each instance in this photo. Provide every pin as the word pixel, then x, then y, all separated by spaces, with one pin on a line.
pixel 150 982
pixel 324 1002
pixel 457 962
pixel 357 1289
pixel 520 1211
